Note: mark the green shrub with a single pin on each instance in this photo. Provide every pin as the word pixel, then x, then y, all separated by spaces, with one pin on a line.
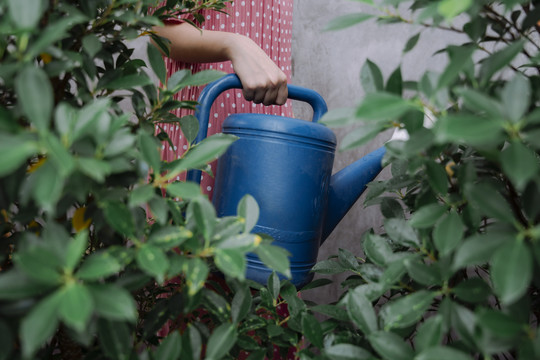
pixel 92 223
pixel 454 273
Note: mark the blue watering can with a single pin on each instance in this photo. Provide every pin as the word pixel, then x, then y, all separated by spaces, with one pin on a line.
pixel 286 165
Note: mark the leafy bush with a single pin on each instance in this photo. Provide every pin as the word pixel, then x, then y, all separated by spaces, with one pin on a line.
pixel 93 224
pixel 454 273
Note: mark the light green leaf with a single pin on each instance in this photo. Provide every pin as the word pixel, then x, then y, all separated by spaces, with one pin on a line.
pixel 221 341
pixel 231 262
pixel 406 310
pixel 511 271
pixel 371 77
pixel 113 302
pixel 75 250
pixel 338 117
pixel 347 352
pixel 383 106
pixel 156 62
pixel 25 13
pixel 361 311
pixel 390 346
pixel 169 236
pixel 442 353
pixel 184 190
pixel 201 211
pixel 40 324
pixel 141 195
pixel 274 257
pixel 448 233
pixel 520 164
pixel 95 168
pixel 99 265
pixel 248 209
pixel 480 102
pixel 39 264
pixel 468 129
pixel 153 261
pixel 361 135
pixel 499 60
pixel 15 150
pixel 377 249
pixel 451 8
pixel 346 21
pixel 515 97
pixel 196 272
pixel 76 306
pixel 35 96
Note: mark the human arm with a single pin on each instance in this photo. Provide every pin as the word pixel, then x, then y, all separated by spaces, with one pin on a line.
pixel 262 80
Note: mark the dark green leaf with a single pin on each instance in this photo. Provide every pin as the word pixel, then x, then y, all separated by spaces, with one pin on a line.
pixel 394 84
pixel 241 304
pixel 231 262
pixel 311 328
pixel 361 311
pixel 500 324
pixel 427 275
pixel 14 285
pixel 94 168
pixel 113 302
pixel 371 77
pixel 489 201
pixel 156 62
pixel 40 264
pixel 119 217
pixel 401 232
pixel 6 341
pixel 127 82
pixel 448 233
pixel 390 346
pixel 430 333
pixel 473 290
pixel 170 347
pixel 99 265
pixel 169 236
pixel 115 339
pixel 500 59
pixel 150 150
pixel 153 261
pixel 76 306
pixel 511 271
pixel 190 127
pixel 75 250
pixel 478 249
pixel 377 249
pixel 460 56
pixel 442 353
pixel 248 209
pixel 520 164
pixel 333 311
pixel 481 103
pixel 515 97
pixel 274 257
pixel 54 32
pixel 15 150
pixel 411 43
pixel 426 216
pixel 468 129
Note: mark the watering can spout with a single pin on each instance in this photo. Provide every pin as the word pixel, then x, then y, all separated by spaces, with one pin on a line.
pixel 347 185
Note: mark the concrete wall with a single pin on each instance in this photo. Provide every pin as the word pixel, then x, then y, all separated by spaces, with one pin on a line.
pixel 330 63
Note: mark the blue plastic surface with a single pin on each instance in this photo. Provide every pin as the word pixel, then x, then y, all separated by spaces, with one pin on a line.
pixel 286 165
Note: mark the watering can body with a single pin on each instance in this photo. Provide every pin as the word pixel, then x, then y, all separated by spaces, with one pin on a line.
pixel 286 165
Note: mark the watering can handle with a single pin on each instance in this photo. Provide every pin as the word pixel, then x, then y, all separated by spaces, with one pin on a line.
pixel 231 81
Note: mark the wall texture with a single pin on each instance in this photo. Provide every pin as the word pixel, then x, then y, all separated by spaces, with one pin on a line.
pixel 330 62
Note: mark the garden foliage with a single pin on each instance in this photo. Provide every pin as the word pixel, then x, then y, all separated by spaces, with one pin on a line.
pixel 93 224
pixel 453 273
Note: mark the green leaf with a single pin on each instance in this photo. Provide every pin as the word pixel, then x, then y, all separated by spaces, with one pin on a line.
pixel 472 290
pixel 328 267
pixel 468 129
pixel 274 257
pixel 430 333
pixel 478 249
pixel 347 352
pixel 99 265
pixel 515 97
pixel 203 213
pixel 311 328
pixel 153 261
pixel 231 262
pixel 127 82
pixel 169 236
pixel 361 135
pixel 411 43
pixel 371 77
pixel 207 150
pixel 451 8
pixel 427 215
pixel 91 44
pixel 40 324
pixel 15 285
pixel 390 346
pixel 141 195
pixel 190 127
pixel 75 250
pixel 437 178
pixel 241 304
pixel 15 150
pixel 273 285
pixel 200 78
pixel 520 164
pixel 401 232
pixel 221 341
pixel 500 324
pixel 113 302
pixel 177 77
pixel 115 339
pixel 76 306
pixel 426 275
pixel 338 117
pixel 361 311
pixel 346 21
pixel 448 233
pixel 156 62
pixel 489 201
pixel 170 347
pixel 334 311
pixel 248 209
pixel 150 150
pixel 25 13
pixel 407 310
pixel 6 341
pixel 500 59
pixel 377 249
pixel 35 96
pixel 196 272
pixel 480 102
pixel 40 264
pixel 47 186
pixel 442 353
pixel 383 106
pixel 184 190
pixel 394 84
pixel 511 271
pixel 119 217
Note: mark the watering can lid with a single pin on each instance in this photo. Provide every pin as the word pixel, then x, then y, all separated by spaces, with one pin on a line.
pixel 280 126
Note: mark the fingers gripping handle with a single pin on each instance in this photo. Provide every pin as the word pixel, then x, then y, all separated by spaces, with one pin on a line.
pixel 231 81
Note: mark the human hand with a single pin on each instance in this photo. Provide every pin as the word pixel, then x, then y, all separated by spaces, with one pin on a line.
pixel 262 80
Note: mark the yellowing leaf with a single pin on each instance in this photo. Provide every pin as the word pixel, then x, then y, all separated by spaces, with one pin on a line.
pixel 79 222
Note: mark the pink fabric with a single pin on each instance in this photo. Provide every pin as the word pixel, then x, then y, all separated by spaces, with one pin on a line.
pixel 269 24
